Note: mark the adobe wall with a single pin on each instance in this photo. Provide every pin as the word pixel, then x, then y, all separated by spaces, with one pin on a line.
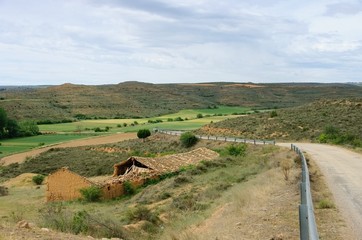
pixel 64 185
pixel 116 189
pixel 112 190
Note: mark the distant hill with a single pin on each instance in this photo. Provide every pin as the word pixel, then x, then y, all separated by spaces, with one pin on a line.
pixel 135 99
pixel 305 122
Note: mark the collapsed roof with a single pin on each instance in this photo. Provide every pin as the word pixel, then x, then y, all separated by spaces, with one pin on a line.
pixel 169 163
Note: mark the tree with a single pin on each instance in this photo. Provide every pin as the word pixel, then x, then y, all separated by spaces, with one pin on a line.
pixel 188 139
pixel 3 122
pixel 13 129
pixel 143 133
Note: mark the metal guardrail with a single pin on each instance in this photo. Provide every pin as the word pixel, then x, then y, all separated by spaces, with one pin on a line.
pixel 307 224
pixel 216 138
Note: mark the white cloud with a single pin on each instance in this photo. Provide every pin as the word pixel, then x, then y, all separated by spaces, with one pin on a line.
pixel 90 42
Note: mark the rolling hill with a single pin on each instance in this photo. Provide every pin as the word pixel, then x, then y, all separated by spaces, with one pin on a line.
pixel 135 99
pixel 305 122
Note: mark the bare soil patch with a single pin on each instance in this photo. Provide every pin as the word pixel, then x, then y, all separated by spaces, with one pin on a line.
pixel 21 157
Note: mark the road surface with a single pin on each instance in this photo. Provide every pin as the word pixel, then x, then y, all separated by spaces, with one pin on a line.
pixel 342 169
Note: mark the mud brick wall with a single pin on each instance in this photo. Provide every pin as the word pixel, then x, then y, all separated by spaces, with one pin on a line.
pixel 64 185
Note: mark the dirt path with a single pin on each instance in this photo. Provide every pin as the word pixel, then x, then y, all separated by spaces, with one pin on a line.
pixel 342 169
pixel 20 157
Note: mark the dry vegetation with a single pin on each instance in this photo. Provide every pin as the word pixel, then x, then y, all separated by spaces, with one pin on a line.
pixel 195 190
pixel 301 123
pixel 134 99
pixel 244 195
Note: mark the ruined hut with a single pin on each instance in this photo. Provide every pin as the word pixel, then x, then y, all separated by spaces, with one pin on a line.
pixel 65 184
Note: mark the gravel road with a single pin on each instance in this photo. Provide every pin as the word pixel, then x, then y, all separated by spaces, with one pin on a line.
pixel 342 169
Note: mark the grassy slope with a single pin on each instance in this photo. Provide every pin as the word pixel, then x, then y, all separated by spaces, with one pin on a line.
pixel 132 99
pixel 180 207
pixel 302 123
pixel 193 191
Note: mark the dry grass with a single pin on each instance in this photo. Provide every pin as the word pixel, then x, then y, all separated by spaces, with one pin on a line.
pixel 262 208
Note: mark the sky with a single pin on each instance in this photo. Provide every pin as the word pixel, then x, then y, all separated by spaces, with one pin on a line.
pixel 49 42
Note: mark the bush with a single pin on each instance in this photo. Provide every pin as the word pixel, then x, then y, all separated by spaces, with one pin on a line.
pixel 3 191
pixel 325 203
pixel 236 150
pixel 188 139
pixel 38 179
pixel 273 114
pixel 143 133
pixel 178 119
pixel 199 115
pixel 91 194
pixel 129 189
pixel 140 213
pixel 56 216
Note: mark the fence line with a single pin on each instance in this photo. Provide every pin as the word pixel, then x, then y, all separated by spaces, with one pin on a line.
pixel 307 224
pixel 217 138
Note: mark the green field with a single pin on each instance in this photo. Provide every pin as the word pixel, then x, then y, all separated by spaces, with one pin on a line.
pixel 114 124
pixel 16 145
pixel 83 129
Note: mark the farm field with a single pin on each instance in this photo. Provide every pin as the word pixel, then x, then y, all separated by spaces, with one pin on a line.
pixel 16 145
pixel 117 125
pixel 84 129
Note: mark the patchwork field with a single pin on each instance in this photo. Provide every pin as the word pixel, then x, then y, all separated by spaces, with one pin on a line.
pixel 64 132
pixel 12 146
pixel 168 121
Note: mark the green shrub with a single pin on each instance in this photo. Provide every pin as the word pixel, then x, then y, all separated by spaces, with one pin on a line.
pixel 236 150
pixel 57 217
pixel 140 213
pixel 91 194
pixel 325 203
pixel 3 191
pixel 188 139
pixel 38 179
pixel 129 189
pixel 273 114
pixel 178 119
pixel 199 115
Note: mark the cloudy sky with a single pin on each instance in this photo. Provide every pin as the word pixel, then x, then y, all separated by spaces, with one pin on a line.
pixel 164 41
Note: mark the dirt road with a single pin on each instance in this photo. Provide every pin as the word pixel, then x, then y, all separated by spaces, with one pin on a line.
pixel 342 169
pixel 20 157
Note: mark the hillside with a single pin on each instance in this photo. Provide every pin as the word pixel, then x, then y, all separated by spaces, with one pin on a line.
pixel 305 122
pixel 135 99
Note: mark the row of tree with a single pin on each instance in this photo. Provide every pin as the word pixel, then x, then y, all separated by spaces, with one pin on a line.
pixel 10 128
